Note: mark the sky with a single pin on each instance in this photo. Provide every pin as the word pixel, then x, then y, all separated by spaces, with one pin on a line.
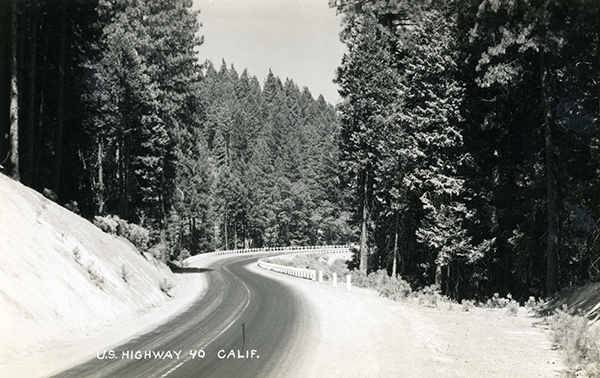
pixel 296 39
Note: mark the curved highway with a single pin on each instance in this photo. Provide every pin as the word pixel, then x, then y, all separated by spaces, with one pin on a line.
pixel 245 325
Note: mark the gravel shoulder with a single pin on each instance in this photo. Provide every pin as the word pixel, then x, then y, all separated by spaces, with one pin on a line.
pixel 362 334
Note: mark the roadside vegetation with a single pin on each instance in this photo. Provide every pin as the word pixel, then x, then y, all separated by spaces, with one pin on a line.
pixel 396 288
pixel 578 340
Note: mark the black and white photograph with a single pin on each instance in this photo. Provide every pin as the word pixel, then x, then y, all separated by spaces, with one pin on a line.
pixel 300 188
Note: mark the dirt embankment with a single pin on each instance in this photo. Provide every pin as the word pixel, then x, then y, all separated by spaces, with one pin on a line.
pixel 62 278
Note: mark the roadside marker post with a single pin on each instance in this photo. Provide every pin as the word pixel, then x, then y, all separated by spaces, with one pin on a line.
pixel 348 282
pixel 334 279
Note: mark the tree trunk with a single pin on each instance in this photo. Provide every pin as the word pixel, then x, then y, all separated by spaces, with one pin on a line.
pixel 438 275
pixel 100 188
pixel 225 226
pixel 235 239
pixel 124 178
pixel 40 124
pixel 14 97
pixel 394 263
pixel 363 230
pixel 551 193
pixel 31 107
pixel 191 230
pixel 60 115
pixel 163 244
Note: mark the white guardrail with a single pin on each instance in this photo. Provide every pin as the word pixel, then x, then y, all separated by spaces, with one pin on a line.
pixel 310 274
pixel 294 250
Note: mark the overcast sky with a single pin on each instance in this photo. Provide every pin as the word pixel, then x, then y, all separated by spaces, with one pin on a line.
pixel 298 39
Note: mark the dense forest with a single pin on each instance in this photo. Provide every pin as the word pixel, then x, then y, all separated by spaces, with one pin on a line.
pixel 115 114
pixel 464 152
pixel 470 131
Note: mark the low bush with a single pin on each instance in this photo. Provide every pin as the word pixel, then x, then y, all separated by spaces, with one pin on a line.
pixel 537 307
pixel 388 287
pixel 158 250
pixel 395 289
pixel 95 276
pixel 77 255
pixel 166 286
pixel 339 267
pixel 108 223
pixel 579 344
pixel 137 235
pixel 184 254
pixel 124 273
pixel 72 206
pixel 429 295
pixel 513 308
pixel 467 304
pixel 360 279
pixel 498 302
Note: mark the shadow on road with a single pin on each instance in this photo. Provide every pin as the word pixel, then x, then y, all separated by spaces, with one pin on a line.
pixel 191 270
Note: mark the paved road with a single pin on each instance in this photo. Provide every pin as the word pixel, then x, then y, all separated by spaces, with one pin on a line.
pixel 242 314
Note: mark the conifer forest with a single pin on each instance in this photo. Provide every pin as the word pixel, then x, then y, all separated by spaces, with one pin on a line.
pixel 465 150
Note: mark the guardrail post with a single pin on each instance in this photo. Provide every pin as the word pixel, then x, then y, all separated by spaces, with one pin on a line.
pixel 334 279
pixel 348 282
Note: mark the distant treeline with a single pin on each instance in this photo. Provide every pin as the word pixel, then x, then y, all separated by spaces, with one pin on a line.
pixel 115 114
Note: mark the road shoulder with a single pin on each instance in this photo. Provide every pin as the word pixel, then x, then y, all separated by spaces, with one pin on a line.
pixel 362 334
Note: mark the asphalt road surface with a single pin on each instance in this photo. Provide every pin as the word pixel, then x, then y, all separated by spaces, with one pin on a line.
pixel 245 325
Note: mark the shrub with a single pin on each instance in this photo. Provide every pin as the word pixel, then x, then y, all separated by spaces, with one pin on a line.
pixel 535 306
pixel 112 224
pixel 467 304
pixel 498 302
pixel 579 345
pixel 513 308
pixel 359 279
pixel 339 267
pixel 138 236
pixel 157 251
pixel 72 206
pixel 77 255
pixel 95 275
pixel 165 286
pixel 395 289
pixel 184 254
pixel 107 223
pixel 429 295
pixel 388 287
pixel 378 279
pixel 124 273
